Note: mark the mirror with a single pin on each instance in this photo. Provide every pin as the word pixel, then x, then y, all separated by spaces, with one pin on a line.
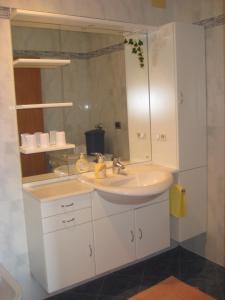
pixel 95 83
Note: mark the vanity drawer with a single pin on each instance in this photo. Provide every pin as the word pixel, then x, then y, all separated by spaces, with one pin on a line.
pixel 64 205
pixel 66 220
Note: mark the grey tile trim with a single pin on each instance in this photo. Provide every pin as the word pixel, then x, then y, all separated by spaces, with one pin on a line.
pixel 212 22
pixel 4 12
pixel 69 55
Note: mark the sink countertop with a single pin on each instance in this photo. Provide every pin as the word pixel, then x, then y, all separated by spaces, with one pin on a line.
pixel 58 190
pixel 72 186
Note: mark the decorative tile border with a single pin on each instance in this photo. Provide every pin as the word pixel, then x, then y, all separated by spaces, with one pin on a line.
pixel 4 12
pixel 69 55
pixel 212 22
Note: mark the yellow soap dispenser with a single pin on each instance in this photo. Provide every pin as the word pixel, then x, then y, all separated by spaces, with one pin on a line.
pixel 100 168
pixel 82 165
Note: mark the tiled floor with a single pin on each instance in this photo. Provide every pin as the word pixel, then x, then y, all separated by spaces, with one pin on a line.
pixel 182 264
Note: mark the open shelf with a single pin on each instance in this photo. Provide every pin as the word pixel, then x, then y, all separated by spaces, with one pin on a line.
pixel 44 105
pixel 39 63
pixel 46 149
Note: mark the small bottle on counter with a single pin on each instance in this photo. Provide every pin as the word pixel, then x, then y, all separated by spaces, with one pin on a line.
pixel 100 168
pixel 82 164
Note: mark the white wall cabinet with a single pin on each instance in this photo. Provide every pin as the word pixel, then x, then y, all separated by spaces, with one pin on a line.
pixel 75 238
pixel 178 96
pixel 152 228
pixel 114 241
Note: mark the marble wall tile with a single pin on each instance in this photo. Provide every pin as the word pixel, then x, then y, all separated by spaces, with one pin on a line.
pixel 96 86
pixel 215 75
pixel 192 11
pixel 40 5
pixel 35 39
pixel 109 92
pixel 216 185
pixel 215 247
pixel 52 92
pixel 76 88
pixel 13 250
pixel 134 11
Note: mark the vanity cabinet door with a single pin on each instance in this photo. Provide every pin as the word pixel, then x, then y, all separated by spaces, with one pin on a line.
pixel 69 256
pixel 152 228
pixel 114 241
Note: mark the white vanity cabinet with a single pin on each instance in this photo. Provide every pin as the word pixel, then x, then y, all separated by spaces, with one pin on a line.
pixel 72 239
pixel 69 256
pixel 60 240
pixel 152 228
pixel 123 236
pixel 114 241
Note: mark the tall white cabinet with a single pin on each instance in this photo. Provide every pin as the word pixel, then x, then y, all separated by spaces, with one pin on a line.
pixel 178 116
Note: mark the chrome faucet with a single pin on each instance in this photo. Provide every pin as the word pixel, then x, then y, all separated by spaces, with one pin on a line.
pixel 117 166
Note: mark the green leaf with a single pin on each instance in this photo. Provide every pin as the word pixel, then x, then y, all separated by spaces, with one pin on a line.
pixel 140 43
pixel 131 42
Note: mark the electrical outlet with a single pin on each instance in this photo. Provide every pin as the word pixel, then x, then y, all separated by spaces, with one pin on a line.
pixel 161 137
pixel 118 125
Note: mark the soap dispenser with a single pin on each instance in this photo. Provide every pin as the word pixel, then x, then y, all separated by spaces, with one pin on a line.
pixel 100 168
pixel 82 165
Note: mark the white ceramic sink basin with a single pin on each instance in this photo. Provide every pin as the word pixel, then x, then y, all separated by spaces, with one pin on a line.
pixel 137 185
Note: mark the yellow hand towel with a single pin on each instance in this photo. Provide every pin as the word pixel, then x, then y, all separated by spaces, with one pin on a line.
pixel 178 205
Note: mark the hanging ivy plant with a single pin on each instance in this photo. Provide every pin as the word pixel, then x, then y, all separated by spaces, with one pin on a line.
pixel 137 48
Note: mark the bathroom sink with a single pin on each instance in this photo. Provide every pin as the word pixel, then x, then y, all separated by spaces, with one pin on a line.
pixel 134 186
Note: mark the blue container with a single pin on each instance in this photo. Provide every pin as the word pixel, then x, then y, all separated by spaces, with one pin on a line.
pixel 95 141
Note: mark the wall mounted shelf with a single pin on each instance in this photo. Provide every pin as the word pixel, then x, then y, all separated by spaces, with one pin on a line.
pixel 46 149
pixel 39 63
pixel 44 105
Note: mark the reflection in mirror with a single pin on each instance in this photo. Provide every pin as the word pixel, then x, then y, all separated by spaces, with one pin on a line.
pixel 94 82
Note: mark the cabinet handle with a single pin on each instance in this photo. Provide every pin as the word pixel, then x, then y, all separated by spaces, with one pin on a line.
pixel 141 234
pixel 68 221
pixel 132 236
pixel 67 205
pixel 91 251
